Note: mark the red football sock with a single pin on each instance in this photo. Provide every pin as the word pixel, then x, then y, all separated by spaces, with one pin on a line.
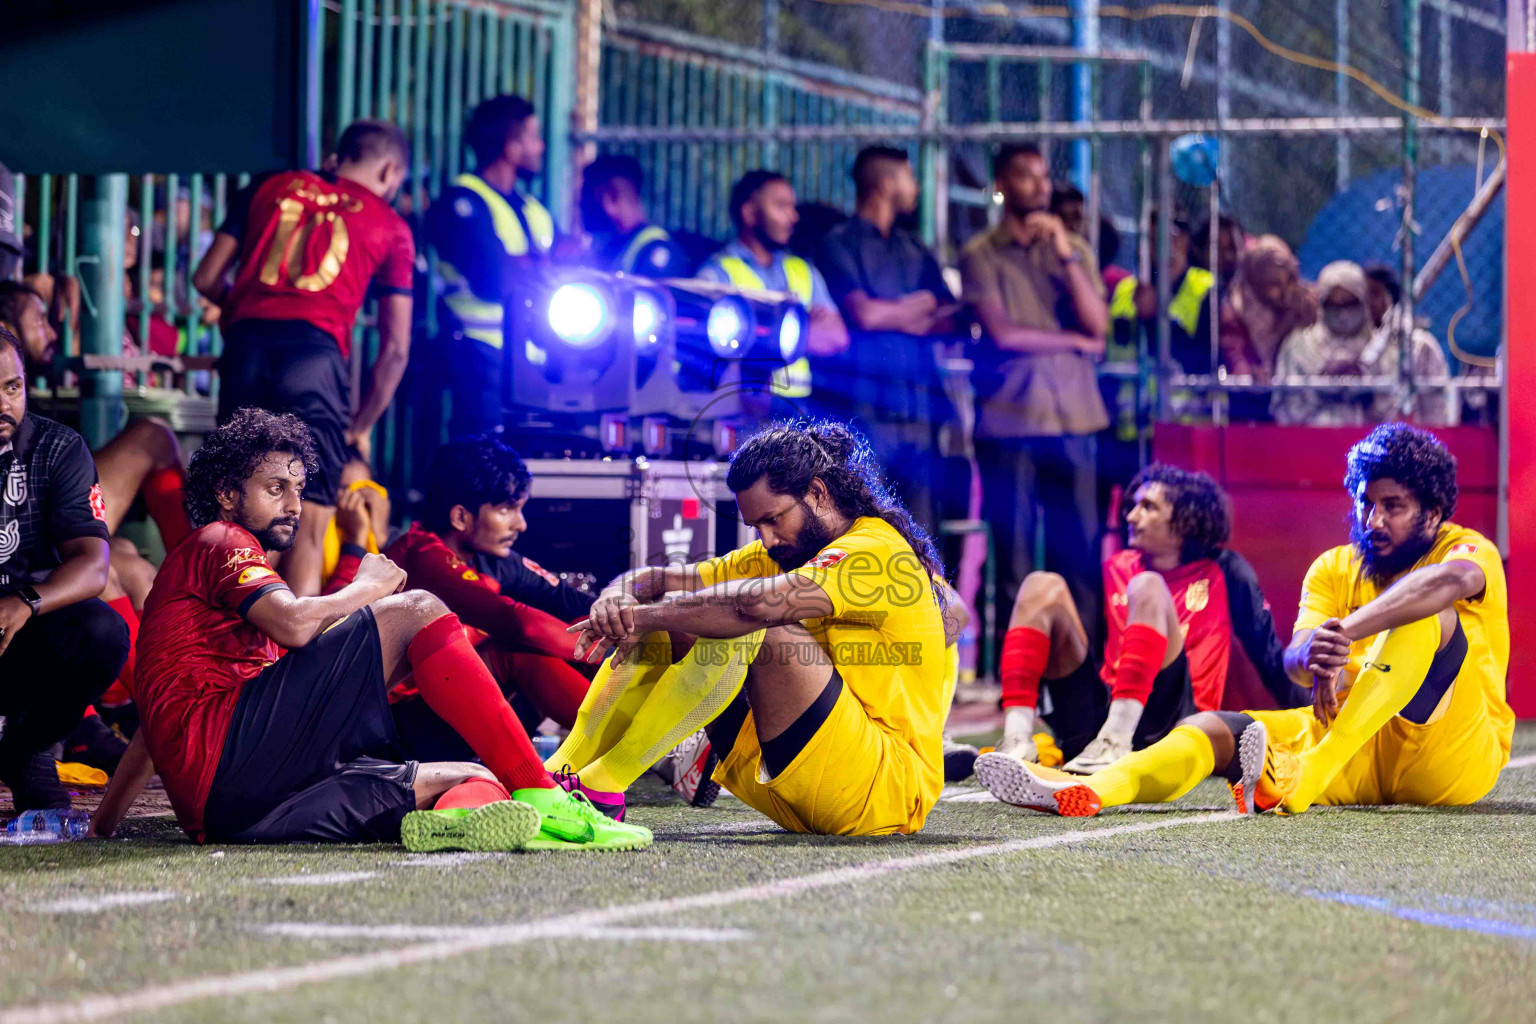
pixel 472 794
pixel 1141 658
pixel 455 683
pixel 163 491
pixel 554 686
pixel 121 691
pixel 1025 653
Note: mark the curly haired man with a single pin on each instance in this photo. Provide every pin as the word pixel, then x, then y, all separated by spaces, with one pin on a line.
pixel 1403 635
pixel 1175 599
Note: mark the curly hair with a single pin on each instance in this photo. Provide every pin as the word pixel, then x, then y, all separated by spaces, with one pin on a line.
pixel 472 471
pixel 793 453
pixel 230 454
pixel 1414 458
pixel 1202 513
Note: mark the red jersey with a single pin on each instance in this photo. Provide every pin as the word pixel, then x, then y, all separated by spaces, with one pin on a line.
pixel 195 653
pixel 310 248
pixel 1217 599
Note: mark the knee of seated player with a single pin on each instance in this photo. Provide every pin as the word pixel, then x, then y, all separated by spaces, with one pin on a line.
pixel 1039 595
pixel 1216 728
pixel 413 608
pixel 98 645
pixel 155 436
pixel 1147 592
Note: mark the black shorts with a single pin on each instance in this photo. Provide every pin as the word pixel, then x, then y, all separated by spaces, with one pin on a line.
pixel 1076 705
pixel 292 366
pixel 311 751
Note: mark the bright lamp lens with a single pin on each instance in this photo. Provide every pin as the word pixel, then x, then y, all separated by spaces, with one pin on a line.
pixel 578 314
pixel 789 336
pixel 648 320
pixel 727 328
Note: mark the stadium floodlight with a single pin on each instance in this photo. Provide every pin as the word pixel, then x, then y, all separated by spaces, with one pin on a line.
pixel 792 333
pixel 580 314
pixel 730 327
pixel 650 319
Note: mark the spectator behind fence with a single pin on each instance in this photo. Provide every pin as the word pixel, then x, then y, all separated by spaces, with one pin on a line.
pixel 1040 300
pixel 60 646
pixel 895 302
pixel 309 248
pixel 623 238
pixel 24 313
pixel 1268 301
pixel 1347 341
pixel 764 216
pixel 1230 243
pixel 1068 203
pixel 491 238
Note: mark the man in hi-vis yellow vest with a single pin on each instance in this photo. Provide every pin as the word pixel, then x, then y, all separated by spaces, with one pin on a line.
pixel 490 236
pixel 763 212
pixel 613 213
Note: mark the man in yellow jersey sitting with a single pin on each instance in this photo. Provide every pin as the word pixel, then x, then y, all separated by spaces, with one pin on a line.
pixel 838 725
pixel 1403 635
pixel 764 216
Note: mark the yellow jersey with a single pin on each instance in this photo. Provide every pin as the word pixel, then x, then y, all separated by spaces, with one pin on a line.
pixel 1335 587
pixel 885 634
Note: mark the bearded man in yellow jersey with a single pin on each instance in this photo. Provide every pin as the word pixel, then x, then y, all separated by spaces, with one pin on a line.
pixel 1403 636
pixel 838 725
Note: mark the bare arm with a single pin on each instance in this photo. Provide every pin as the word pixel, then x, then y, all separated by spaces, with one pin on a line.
pixel 828 334
pixel 909 314
pixel 83 574
pixel 394 353
pixel 732 609
pixel 208 279
pixel 128 781
pixel 292 621
pixel 1012 337
pixel 1418 595
pixel 1092 311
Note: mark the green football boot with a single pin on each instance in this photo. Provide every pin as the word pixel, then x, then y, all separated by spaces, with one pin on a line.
pixel 570 822
pixel 501 825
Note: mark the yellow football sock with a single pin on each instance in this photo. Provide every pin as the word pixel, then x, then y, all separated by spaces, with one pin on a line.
pixel 1166 770
pixel 1394 670
pixel 613 699
pixel 687 696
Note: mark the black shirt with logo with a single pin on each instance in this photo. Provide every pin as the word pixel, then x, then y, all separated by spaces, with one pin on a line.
pixel 49 494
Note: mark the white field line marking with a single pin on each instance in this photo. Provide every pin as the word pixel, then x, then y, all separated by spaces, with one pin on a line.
pixel 96 904
pixel 277 979
pixel 334 878
pixel 447 860
pixel 1524 761
pixel 406 932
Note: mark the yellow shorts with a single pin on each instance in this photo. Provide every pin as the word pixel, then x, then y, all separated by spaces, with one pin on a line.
pixel 851 779
pixel 1454 760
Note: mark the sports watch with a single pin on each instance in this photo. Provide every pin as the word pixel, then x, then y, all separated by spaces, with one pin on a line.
pixel 29 594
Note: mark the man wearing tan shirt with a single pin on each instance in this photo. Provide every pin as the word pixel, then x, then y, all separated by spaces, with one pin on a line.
pixel 1039 298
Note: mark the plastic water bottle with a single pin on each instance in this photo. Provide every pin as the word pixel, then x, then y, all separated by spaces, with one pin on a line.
pixel 62 826
pixel 545 746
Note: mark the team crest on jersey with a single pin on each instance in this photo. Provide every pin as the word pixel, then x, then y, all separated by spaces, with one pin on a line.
pixel 255 572
pixel 470 575
pixel 1461 549
pixel 1198 595
pixel 547 576
pixel 16 484
pixel 98 503
pixel 827 559
pixel 10 538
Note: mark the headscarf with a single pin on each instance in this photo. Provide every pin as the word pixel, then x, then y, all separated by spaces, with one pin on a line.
pixel 1269 300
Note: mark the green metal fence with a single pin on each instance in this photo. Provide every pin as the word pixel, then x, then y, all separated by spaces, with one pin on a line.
pixel 658 78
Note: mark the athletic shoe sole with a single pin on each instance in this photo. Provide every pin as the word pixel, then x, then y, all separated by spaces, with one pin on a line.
pixel 1251 747
pixel 1012 782
pixel 638 843
pixel 709 790
pixel 500 826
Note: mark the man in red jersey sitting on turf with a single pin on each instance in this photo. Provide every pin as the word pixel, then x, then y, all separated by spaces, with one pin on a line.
pixel 1175 600
pixel 259 746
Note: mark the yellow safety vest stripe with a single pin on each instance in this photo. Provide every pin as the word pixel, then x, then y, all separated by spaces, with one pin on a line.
pixel 643 238
pixel 480 319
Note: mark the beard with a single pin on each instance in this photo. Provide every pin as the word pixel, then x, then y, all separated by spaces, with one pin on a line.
pixel 1381 569
pixel 814 536
pixel 267 536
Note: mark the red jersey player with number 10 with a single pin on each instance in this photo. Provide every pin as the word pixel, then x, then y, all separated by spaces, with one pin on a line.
pixel 307 248
pixel 1175 600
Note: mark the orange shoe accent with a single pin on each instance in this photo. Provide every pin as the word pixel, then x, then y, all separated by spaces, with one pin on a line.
pixel 1281 773
pixel 1078 802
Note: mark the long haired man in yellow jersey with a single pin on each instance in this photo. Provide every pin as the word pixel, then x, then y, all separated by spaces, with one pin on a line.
pixel 1403 635
pixel 819 663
